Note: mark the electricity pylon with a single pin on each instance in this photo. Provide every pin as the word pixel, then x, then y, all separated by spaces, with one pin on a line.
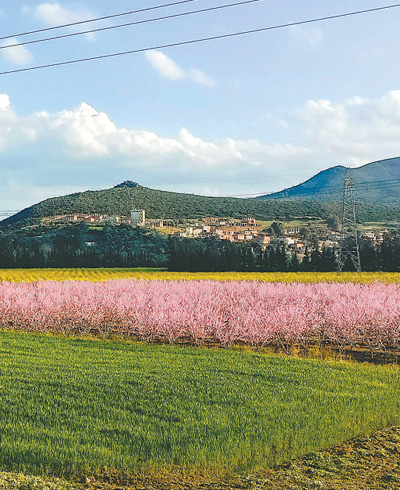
pixel 349 237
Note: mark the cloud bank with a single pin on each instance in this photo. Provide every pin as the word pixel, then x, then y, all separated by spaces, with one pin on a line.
pixel 47 154
pixel 358 130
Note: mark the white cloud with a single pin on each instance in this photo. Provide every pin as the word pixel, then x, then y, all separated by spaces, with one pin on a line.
pixel 53 14
pixel 90 133
pixel 17 55
pixel 85 147
pixel 359 129
pixel 4 102
pixel 167 68
pixel 201 78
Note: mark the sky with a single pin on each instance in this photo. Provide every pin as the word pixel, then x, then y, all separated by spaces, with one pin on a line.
pixel 238 116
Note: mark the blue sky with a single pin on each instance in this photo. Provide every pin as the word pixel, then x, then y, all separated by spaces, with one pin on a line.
pixel 244 115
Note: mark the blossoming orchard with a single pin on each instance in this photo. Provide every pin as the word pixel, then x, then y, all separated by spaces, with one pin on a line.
pixel 253 313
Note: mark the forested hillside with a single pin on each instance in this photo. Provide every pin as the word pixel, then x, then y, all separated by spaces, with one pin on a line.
pixel 121 199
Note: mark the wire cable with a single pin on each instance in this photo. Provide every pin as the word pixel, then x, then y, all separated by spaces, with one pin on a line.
pixel 199 40
pixel 333 189
pixel 336 190
pixel 105 17
pixel 137 22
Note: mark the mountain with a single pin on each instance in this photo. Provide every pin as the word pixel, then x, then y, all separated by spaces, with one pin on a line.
pixel 124 197
pixel 377 186
pixel 376 182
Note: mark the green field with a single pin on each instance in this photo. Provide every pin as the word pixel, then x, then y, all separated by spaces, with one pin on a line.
pixel 70 407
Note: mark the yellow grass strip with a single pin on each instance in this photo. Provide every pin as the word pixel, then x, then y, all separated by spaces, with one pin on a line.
pixel 100 274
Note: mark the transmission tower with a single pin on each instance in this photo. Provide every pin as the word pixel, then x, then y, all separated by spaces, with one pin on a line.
pixel 349 239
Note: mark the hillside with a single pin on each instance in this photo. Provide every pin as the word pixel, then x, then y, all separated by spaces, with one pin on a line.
pixel 376 182
pixel 121 199
pixel 377 193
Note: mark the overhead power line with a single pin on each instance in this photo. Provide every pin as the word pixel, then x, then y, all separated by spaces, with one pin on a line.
pixel 128 24
pixel 201 40
pixel 368 183
pixel 105 17
pixel 331 189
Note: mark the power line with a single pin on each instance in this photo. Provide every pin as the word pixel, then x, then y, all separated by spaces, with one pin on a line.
pixel 137 22
pixel 201 40
pixel 105 17
pixel 365 185
pixel 338 188
pixel 328 189
pixel 336 191
pixel 251 195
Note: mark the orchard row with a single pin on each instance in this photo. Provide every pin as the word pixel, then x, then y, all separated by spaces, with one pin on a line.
pixel 254 313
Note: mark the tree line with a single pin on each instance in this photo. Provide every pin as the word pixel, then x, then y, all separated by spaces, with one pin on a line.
pixel 212 255
pixel 124 246
pixel 80 246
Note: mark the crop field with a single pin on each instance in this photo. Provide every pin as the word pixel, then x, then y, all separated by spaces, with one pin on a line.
pixel 75 407
pixel 105 274
pixel 101 372
pixel 227 313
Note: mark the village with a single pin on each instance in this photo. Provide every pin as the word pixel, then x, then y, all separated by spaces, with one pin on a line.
pixel 292 238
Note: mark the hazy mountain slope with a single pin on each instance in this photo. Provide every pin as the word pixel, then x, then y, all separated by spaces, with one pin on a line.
pixel 323 185
pixel 376 182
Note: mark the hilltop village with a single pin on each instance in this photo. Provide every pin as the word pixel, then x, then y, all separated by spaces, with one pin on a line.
pixel 209 243
pixel 248 230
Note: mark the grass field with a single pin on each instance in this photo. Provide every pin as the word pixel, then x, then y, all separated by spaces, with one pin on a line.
pixel 72 407
pixel 76 407
pixel 105 274
pixel 368 462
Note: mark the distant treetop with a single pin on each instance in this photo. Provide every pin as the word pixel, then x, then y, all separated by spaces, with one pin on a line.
pixel 127 183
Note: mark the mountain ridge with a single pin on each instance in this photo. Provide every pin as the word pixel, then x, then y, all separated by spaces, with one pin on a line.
pixel 374 182
pixel 377 184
